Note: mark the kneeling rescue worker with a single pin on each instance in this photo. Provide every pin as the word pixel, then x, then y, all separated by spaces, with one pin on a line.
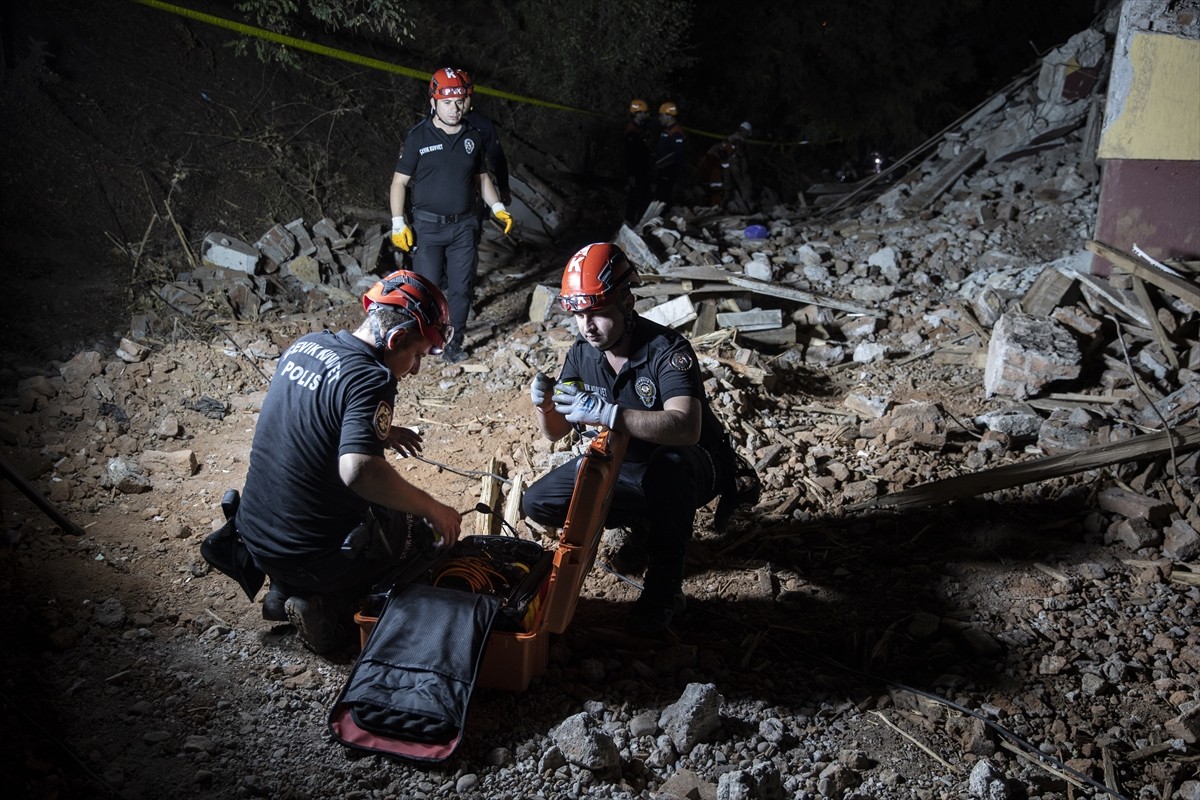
pixel 633 375
pixel 323 512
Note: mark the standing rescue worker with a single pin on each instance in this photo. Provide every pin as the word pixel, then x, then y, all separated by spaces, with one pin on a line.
pixel 633 375
pixel 670 153
pixel 495 161
pixel 323 512
pixel 638 163
pixel 724 173
pixel 443 158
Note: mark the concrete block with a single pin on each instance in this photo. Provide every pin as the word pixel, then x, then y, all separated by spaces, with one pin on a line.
pixel 756 319
pixel 1025 353
pixel 919 423
pixel 277 244
pixel 304 242
pixel 220 250
pixel 1116 500
pixel 542 302
pixel 1017 422
pixel 867 406
pixel 305 269
pixel 673 313
pixel 1180 541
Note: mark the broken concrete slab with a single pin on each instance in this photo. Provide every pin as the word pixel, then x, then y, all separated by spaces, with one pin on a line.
pixel 1026 353
pixel 228 252
pixel 277 245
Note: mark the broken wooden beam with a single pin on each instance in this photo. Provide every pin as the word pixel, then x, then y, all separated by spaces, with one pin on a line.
pixel 1179 441
pixel 1185 290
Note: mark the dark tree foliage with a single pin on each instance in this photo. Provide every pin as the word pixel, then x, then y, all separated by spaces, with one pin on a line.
pixel 885 73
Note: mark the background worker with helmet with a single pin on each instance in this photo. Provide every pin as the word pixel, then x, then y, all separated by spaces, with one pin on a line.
pixel 494 159
pixel 670 153
pixel 724 174
pixel 637 161
pixel 323 512
pixel 443 160
pixel 633 375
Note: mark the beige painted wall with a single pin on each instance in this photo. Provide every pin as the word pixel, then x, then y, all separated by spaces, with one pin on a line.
pixel 1160 113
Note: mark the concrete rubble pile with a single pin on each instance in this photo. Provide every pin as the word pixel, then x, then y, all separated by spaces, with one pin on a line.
pixel 294 265
pixel 984 281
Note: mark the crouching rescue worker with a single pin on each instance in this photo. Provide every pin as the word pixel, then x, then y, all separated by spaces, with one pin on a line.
pixel 635 376
pixel 323 512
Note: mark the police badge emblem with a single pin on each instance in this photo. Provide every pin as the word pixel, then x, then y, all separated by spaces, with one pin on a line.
pixel 383 420
pixel 469 145
pixel 647 392
pixel 681 361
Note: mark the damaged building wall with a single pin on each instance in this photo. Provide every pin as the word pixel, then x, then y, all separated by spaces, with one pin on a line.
pixel 1150 142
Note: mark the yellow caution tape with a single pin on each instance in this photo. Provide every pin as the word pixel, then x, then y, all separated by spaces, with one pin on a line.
pixel 387 66
pixel 342 55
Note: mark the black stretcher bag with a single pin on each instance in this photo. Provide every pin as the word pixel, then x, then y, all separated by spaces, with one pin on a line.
pixel 409 692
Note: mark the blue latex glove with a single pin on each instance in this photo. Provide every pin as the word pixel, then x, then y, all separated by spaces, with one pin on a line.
pixel 540 388
pixel 583 407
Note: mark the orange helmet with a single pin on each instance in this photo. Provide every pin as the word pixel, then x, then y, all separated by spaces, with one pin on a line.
pixel 466 81
pixel 638 106
pixel 595 277
pixel 447 84
pixel 669 108
pixel 423 301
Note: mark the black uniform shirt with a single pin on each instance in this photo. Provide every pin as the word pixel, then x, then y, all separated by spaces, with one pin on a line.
pixel 331 395
pixel 442 167
pixel 493 153
pixel 661 365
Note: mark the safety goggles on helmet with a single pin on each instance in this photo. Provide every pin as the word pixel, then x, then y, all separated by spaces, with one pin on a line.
pixel 447 84
pixel 424 302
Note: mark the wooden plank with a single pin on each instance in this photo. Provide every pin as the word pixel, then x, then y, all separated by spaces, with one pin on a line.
pixel 1047 292
pixel 765 288
pixel 1117 300
pixel 706 318
pixel 489 495
pixel 797 296
pixel 1155 445
pixel 512 503
pixel 932 188
pixel 778 337
pixel 1139 290
pixel 1182 288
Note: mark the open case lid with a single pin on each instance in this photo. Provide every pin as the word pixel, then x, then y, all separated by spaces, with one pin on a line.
pixel 409 692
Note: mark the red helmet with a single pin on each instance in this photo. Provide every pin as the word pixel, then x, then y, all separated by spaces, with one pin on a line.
pixel 447 84
pixel 423 301
pixel 638 106
pixel 465 77
pixel 595 277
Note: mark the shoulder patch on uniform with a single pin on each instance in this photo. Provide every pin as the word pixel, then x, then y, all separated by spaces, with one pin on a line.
pixel 383 420
pixel 681 361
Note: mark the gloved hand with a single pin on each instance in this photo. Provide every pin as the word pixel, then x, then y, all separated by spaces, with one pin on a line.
pixel 583 407
pixel 502 214
pixel 402 235
pixel 540 388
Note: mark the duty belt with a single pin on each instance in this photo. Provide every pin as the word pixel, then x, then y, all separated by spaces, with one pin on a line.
pixel 441 219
